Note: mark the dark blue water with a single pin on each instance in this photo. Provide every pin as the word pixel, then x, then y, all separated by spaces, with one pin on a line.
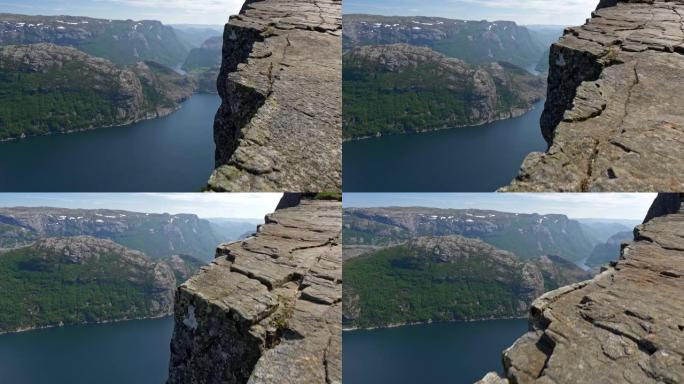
pixel 131 352
pixel 469 159
pixel 454 353
pixel 171 154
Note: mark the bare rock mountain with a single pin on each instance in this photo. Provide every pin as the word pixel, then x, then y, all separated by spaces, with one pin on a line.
pixel 279 125
pixel 613 116
pixel 158 235
pixel 120 41
pixel 624 326
pixel 268 309
pixel 474 41
pixel 526 235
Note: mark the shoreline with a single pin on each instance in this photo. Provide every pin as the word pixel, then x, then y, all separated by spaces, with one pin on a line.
pixel 62 325
pixel 159 114
pixel 512 115
pixel 398 325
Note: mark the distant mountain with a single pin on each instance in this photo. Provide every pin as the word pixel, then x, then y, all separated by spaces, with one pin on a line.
pixel 193 35
pixel 602 229
pixel 529 236
pixel 157 235
pixel 609 251
pixel 233 229
pixel 183 266
pixel 120 41
pixel 46 88
pixel 545 35
pixel 74 280
pixel 204 62
pixel 476 42
pixel 205 57
pixel 390 89
pixel 446 278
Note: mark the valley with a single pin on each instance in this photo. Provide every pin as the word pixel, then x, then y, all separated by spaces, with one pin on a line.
pixel 400 88
pixel 71 74
pixel 480 83
pixel 78 266
pixel 416 265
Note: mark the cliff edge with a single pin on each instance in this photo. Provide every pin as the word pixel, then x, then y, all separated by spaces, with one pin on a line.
pixel 613 116
pixel 279 127
pixel 268 309
pixel 624 326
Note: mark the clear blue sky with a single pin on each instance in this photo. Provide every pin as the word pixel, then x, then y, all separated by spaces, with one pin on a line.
pixel 205 205
pixel 632 206
pixel 556 12
pixel 167 11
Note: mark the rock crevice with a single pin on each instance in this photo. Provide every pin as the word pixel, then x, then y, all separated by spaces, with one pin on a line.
pixel 268 309
pixel 612 118
pixel 279 125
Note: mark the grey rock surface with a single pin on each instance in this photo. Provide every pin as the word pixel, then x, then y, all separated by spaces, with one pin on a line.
pixel 268 309
pixel 624 326
pixel 279 125
pixel 613 116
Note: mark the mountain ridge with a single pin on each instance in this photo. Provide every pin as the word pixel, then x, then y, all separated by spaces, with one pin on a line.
pixel 401 88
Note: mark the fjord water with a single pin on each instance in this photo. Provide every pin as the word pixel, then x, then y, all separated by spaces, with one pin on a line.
pixel 454 353
pixel 174 153
pixel 132 352
pixel 468 159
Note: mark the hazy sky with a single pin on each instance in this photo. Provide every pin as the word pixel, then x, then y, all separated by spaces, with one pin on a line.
pixel 555 12
pixel 631 206
pixel 205 205
pixel 167 11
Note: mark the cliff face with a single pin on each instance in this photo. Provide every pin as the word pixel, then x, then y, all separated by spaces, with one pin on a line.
pixel 279 125
pixel 613 117
pixel 623 326
pixel 268 309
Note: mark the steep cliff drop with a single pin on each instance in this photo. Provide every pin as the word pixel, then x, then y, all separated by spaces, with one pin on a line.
pixel 280 126
pixel 614 118
pixel 268 309
pixel 624 326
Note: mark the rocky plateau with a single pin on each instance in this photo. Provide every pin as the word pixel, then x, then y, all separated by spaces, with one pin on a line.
pixel 268 309
pixel 279 125
pixel 613 118
pixel 623 326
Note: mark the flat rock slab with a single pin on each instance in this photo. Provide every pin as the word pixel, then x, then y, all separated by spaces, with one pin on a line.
pixel 624 326
pixel 614 118
pixel 268 309
pixel 279 127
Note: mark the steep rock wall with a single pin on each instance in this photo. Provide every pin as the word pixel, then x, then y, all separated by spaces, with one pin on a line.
pixel 279 125
pixel 624 326
pixel 268 309
pixel 613 118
